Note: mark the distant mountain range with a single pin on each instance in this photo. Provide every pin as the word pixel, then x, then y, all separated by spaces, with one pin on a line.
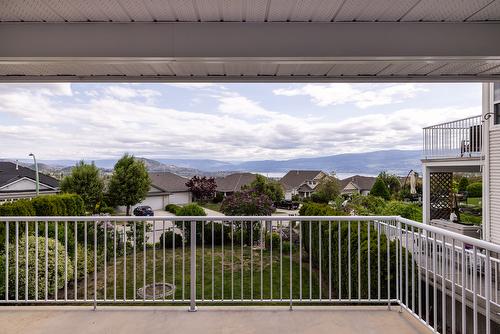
pixel 369 163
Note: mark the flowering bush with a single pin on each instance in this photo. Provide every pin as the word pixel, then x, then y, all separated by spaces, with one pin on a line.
pixel 247 203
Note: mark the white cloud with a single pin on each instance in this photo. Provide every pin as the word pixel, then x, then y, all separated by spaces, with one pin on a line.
pixel 124 92
pixel 363 96
pixel 48 121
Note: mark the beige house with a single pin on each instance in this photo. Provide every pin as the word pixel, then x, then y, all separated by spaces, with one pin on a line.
pixel 357 184
pixel 301 182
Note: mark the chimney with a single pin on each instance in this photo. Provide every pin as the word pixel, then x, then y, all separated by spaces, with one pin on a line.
pixel 17 164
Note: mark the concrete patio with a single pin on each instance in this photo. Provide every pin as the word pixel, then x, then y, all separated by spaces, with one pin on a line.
pixel 209 319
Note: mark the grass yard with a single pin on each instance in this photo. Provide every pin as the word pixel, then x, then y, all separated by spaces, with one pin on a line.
pixel 474 201
pixel 468 218
pixel 212 206
pixel 225 281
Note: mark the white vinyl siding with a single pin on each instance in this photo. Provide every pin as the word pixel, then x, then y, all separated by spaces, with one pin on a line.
pixel 495 185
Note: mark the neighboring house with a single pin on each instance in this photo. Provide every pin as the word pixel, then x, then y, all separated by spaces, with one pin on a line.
pixel 18 182
pixel 301 182
pixel 357 184
pixel 166 188
pixel 233 182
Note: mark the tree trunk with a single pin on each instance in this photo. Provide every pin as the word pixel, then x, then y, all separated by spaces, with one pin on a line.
pixel 128 210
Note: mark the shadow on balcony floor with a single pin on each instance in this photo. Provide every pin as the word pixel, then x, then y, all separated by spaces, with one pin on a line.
pixel 209 319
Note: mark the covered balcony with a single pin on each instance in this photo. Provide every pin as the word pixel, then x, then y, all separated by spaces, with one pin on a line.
pixel 460 139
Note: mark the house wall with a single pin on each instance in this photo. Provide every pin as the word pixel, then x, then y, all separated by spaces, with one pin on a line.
pixel 494 173
pixel 23 185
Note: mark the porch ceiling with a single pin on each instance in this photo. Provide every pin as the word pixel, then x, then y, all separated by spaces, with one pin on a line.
pixel 263 40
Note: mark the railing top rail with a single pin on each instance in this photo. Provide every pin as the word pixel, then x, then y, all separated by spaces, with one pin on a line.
pixel 460 237
pixel 424 227
pixel 455 121
pixel 193 218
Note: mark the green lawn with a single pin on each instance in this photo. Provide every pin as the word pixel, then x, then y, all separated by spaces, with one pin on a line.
pixel 228 281
pixel 474 201
pixel 212 206
pixel 468 218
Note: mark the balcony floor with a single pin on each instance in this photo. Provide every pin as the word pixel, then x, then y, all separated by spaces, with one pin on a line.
pixel 208 319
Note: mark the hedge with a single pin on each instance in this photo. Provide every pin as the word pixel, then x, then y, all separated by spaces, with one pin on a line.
pixel 45 205
pixel 32 282
pixel 353 229
pixel 475 189
pixel 173 208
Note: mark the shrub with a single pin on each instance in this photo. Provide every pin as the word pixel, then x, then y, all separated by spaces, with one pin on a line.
pixel 171 239
pixel 463 184
pixel 406 210
pixel 380 189
pixel 370 205
pixel 219 235
pixel 173 208
pixel 247 203
pixel 317 209
pixel 192 209
pixel 51 269
pixel 475 189
pixel 219 197
pixel 311 230
pixel 275 237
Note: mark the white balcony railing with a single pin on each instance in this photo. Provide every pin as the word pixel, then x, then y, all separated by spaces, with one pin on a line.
pixel 236 260
pixel 457 139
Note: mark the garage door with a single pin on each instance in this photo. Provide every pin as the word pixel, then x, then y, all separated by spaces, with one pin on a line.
pixel 179 198
pixel 155 202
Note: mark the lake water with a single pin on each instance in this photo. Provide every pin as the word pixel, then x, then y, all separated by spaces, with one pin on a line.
pixel 279 175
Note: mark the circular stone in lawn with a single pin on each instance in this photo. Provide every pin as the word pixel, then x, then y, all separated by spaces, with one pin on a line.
pixel 160 290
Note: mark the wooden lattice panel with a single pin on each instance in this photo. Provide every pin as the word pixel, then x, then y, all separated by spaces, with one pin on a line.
pixel 441 195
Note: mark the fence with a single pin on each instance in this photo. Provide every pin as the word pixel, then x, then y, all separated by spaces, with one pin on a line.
pixel 252 260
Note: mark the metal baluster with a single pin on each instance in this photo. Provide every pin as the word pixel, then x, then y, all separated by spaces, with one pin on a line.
pixel 26 260
pixel 443 283
pixel 349 257
pixel 192 278
pixel 453 291
pixel 281 259
pixel 105 226
pixel 154 257
pixel 7 232
pixel 329 260
pixel 65 260
pixel 125 262
pixel 487 277
pixel 474 288
pixel 222 262
pixel 320 246
pixel 300 260
pixel 464 328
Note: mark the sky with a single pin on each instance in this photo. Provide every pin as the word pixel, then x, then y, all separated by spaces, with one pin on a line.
pixel 230 121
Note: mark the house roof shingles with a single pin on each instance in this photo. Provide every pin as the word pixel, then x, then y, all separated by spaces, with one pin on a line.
pixel 294 178
pixel 234 182
pixel 361 182
pixel 169 182
pixel 9 173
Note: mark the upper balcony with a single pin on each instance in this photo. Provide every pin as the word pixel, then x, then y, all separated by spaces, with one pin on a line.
pixel 461 139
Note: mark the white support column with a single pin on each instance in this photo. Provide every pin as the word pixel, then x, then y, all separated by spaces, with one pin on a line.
pixel 426 194
pixel 486 107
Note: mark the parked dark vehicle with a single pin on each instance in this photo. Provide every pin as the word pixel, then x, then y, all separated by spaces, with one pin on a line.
pixel 143 211
pixel 288 205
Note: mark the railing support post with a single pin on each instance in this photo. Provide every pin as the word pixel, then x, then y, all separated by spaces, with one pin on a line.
pixel 192 275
